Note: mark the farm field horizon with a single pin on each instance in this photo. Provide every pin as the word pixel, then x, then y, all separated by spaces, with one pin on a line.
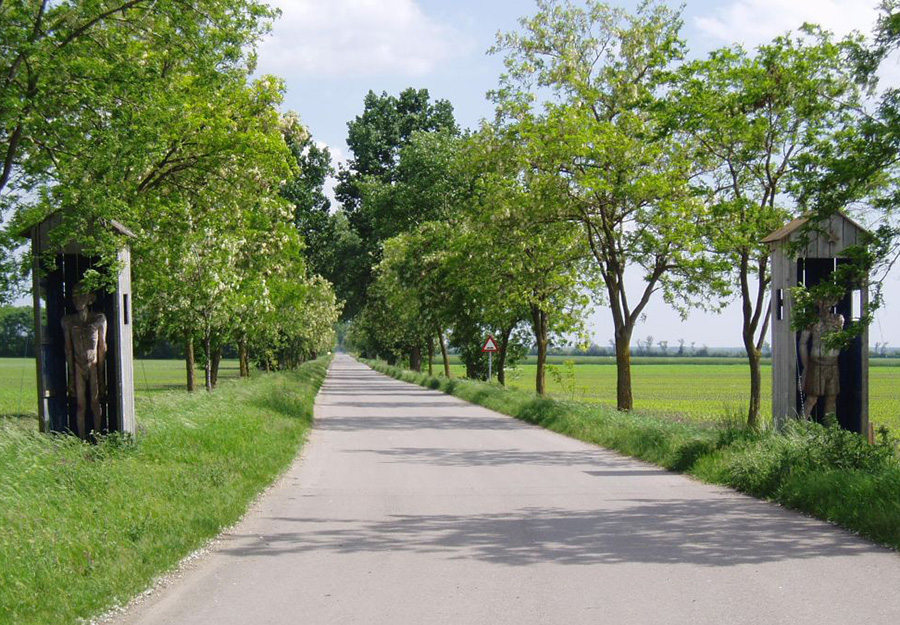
pixel 697 389
pixel 693 388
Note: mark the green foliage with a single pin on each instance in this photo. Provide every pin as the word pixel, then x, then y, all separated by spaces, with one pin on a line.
pixel 16 332
pixel 318 226
pixel 753 118
pixel 68 140
pixel 197 463
pixel 600 73
pixel 376 138
pixel 194 164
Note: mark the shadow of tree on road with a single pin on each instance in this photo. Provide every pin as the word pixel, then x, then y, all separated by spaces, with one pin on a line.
pixel 482 457
pixel 718 533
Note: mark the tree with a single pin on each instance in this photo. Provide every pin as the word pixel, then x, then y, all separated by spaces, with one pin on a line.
pixel 16 332
pixel 601 73
pixel 220 228
pixel 90 87
pixel 533 261
pixel 312 209
pixel 376 139
pixel 754 119
pixel 856 165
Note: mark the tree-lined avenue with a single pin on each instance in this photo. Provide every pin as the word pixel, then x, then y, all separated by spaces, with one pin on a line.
pixel 410 506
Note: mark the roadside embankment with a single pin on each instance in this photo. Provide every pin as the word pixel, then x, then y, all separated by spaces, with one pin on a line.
pixel 86 527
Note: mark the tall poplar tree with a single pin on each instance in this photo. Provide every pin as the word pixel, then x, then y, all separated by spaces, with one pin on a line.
pixel 599 73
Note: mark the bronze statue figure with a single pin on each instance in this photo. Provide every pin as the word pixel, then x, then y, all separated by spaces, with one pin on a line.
pixel 84 333
pixel 821 376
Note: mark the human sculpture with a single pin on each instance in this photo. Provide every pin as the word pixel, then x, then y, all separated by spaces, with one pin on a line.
pixel 821 376
pixel 84 334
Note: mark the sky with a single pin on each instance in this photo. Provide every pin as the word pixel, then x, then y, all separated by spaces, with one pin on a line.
pixel 330 55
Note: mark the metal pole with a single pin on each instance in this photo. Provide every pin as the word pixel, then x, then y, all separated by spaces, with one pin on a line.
pixel 490 362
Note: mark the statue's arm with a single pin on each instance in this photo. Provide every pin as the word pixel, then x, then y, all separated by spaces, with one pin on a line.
pixel 101 355
pixel 101 340
pixel 804 350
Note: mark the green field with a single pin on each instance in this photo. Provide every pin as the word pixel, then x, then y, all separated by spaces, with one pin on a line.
pixel 700 392
pixel 151 377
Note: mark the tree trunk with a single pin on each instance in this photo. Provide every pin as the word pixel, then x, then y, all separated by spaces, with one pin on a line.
pixel 431 356
pixel 189 362
pixel 624 399
pixel 415 358
pixel 216 360
pixel 501 355
pixel 541 332
pixel 756 313
pixel 207 368
pixel 440 337
pixel 244 357
pixel 754 357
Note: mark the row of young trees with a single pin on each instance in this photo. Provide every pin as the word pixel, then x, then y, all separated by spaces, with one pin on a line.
pixel 146 112
pixel 609 153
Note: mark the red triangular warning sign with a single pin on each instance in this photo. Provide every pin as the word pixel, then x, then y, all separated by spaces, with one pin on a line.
pixel 490 345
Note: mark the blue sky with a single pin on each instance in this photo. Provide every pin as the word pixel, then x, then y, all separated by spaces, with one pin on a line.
pixel 331 53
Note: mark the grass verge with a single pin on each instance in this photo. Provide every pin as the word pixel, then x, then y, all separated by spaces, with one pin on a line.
pixel 826 472
pixel 86 527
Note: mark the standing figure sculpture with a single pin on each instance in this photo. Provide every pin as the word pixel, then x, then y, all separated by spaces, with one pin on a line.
pixel 84 334
pixel 821 376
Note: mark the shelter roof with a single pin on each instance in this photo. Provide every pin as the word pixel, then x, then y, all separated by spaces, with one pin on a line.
pixel 111 224
pixel 795 225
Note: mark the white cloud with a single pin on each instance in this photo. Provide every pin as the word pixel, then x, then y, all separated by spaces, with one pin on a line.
pixel 356 38
pixel 753 22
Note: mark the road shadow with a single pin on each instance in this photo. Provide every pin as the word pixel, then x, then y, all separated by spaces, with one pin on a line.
pixel 710 533
pixel 395 404
pixel 448 457
pixel 342 423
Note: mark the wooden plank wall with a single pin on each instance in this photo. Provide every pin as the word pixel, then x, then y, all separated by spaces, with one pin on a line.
pixel 125 357
pixel 784 346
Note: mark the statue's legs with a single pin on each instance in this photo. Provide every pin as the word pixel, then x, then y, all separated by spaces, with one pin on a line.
pixel 831 405
pixel 81 399
pixel 810 405
pixel 96 409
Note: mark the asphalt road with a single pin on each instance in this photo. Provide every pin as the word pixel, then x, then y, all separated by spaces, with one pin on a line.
pixel 411 507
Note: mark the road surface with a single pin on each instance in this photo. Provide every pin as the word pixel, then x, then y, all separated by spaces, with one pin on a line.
pixel 408 506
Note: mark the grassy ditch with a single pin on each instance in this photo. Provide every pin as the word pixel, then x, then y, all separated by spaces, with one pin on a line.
pixel 85 527
pixel 825 472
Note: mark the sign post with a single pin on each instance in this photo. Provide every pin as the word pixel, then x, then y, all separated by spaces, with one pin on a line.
pixel 490 346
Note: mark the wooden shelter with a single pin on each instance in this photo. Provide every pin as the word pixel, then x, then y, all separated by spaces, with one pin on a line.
pixel 806 255
pixel 52 287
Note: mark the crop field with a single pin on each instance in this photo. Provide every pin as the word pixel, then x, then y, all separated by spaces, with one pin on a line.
pixel 18 383
pixel 698 392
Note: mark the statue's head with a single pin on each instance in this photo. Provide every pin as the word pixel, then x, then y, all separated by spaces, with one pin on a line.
pixel 825 304
pixel 82 298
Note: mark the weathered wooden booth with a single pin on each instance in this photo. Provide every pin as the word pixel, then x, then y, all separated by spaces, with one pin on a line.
pixel 53 287
pixel 806 256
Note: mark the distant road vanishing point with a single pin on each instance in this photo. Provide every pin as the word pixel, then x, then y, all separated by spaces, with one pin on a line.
pixel 408 506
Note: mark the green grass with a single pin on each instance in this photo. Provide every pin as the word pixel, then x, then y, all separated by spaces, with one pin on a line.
pixel 695 391
pixel 827 472
pixel 18 383
pixel 85 527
